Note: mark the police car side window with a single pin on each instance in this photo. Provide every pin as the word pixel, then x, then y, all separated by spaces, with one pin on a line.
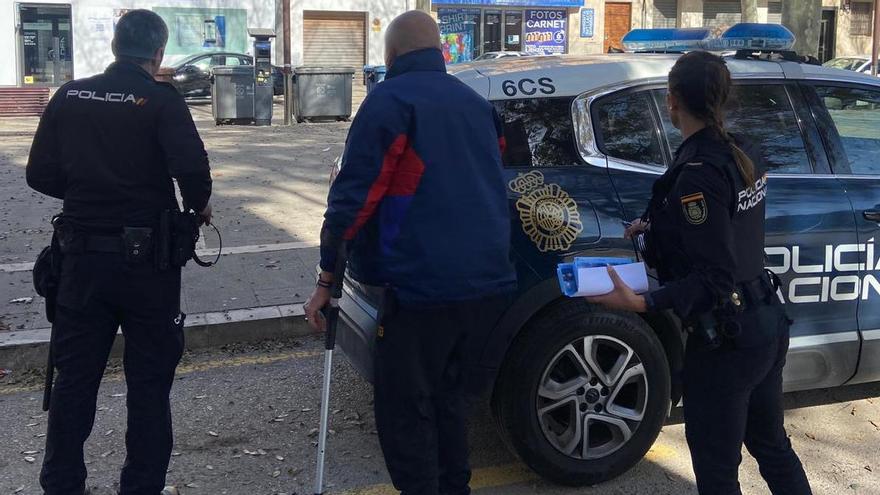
pixel 626 128
pixel 539 132
pixel 856 115
pixel 763 115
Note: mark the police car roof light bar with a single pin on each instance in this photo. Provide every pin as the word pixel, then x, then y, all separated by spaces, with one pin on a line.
pixel 753 36
pixel 664 40
pixel 742 36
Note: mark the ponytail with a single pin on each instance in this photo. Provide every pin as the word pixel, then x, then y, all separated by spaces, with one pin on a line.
pixel 701 81
pixel 745 164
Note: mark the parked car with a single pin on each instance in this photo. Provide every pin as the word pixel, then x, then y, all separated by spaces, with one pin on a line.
pixel 497 55
pixel 581 392
pixel 861 63
pixel 192 75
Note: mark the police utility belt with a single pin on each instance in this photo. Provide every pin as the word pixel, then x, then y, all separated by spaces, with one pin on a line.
pixel 722 324
pixel 171 245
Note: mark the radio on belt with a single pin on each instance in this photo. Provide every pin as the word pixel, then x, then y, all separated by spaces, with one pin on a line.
pixel 589 276
pixel 263 83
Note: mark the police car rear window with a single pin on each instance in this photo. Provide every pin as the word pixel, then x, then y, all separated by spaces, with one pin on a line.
pixel 539 132
pixel 762 114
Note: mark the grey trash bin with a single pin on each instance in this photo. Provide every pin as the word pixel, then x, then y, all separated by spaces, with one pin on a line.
pixel 322 93
pixel 232 94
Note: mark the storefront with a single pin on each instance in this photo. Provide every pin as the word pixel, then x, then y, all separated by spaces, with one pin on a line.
pixel 50 42
pixel 470 28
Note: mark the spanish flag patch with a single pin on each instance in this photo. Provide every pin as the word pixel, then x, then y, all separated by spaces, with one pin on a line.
pixel 694 208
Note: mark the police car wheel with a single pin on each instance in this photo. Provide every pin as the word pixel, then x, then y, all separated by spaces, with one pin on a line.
pixel 583 393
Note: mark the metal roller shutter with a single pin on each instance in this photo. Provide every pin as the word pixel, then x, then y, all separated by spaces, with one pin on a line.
pixel 334 39
pixel 774 12
pixel 721 13
pixel 665 13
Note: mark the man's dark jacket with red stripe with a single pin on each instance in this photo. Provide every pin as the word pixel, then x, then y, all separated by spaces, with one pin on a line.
pixel 421 192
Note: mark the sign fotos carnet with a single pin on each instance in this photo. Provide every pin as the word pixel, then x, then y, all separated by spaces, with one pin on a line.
pixel 545 31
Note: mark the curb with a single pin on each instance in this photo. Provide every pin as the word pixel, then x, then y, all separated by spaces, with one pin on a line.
pixel 25 350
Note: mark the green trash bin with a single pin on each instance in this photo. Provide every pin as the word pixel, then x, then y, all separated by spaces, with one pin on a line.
pixel 322 93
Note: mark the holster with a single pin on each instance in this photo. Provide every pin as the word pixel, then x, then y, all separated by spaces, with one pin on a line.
pixel 47 270
pixel 178 234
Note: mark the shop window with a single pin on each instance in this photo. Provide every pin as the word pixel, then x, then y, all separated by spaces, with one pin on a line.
pixel 862 19
pixel 459 34
pixel 538 132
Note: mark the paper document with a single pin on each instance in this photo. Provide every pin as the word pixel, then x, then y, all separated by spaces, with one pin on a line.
pixel 589 276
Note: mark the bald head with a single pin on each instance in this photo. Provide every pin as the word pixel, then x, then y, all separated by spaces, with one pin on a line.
pixel 410 31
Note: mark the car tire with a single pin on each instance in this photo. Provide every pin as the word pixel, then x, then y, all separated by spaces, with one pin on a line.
pixel 535 393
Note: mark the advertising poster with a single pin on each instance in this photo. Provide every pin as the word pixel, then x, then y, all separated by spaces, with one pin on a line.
pixel 545 31
pixel 457 34
pixel 195 30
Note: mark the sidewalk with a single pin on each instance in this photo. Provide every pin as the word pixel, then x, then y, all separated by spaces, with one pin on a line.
pixel 270 189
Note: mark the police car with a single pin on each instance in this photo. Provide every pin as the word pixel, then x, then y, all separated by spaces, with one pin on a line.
pixel 579 392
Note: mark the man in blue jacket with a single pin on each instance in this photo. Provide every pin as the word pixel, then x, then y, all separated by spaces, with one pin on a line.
pixel 422 200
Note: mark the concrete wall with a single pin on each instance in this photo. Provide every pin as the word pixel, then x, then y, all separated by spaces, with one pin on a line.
pixel 91 46
pixel 383 10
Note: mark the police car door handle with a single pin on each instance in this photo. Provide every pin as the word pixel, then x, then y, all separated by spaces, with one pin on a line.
pixel 872 215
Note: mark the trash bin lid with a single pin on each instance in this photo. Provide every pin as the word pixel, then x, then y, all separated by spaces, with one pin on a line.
pixel 324 70
pixel 233 70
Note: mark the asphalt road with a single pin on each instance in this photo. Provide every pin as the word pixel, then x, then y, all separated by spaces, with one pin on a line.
pixel 245 422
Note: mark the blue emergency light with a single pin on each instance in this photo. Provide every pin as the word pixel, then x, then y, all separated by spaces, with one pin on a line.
pixel 665 39
pixel 753 36
pixel 743 36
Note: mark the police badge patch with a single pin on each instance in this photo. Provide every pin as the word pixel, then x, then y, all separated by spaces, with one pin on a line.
pixel 695 209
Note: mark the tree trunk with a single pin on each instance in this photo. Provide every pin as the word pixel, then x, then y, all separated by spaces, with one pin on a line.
pixel 804 19
pixel 750 10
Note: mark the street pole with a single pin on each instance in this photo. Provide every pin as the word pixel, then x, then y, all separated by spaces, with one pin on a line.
pixel 875 50
pixel 285 23
pixel 423 5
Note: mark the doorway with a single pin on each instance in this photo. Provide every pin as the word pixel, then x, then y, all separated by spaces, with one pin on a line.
pixel 492 31
pixel 45 43
pixel 827 35
pixel 618 21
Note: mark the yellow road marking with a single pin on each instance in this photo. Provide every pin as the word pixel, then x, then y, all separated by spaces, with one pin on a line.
pixel 659 451
pixel 192 368
pixel 489 477
pixel 511 474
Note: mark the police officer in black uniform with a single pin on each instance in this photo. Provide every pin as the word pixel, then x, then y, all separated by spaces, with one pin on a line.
pixel 109 146
pixel 704 233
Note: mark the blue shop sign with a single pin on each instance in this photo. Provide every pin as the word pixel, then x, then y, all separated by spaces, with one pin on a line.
pixel 515 3
pixel 588 22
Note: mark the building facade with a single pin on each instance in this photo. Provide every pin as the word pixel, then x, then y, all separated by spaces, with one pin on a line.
pixel 52 41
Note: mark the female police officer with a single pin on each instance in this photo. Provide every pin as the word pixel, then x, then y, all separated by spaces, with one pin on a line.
pixel 704 232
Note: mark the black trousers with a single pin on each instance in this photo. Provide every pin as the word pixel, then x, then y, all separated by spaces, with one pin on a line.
pixel 98 294
pixel 733 395
pixel 424 358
